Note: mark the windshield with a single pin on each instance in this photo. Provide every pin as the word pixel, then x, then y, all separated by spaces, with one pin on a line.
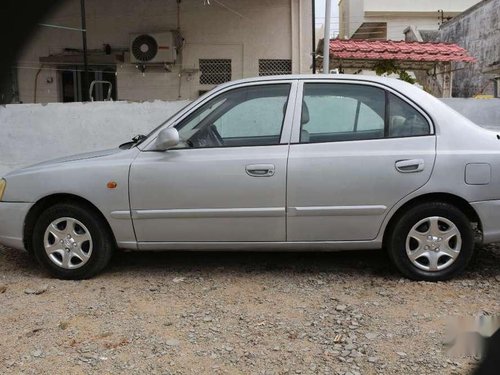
pixel 162 124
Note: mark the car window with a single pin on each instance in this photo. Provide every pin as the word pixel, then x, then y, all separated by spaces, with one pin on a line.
pixel 261 116
pixel 250 116
pixel 404 120
pixel 339 112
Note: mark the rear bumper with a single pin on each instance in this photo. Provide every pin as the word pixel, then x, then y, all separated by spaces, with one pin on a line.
pixel 489 214
pixel 12 216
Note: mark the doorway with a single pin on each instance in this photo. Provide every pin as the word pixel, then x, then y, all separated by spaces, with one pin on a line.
pixel 72 89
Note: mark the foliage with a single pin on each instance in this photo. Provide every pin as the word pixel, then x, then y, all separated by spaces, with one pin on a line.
pixel 389 67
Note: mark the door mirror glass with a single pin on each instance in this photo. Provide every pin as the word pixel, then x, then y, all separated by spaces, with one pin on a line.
pixel 167 138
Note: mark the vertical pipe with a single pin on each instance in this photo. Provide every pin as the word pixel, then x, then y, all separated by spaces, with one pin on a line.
pixel 314 35
pixel 326 40
pixel 85 84
pixel 36 83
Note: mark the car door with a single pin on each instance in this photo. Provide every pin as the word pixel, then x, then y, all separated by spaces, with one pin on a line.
pixel 226 179
pixel 356 150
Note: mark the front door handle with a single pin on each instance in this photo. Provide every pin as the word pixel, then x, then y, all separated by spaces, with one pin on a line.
pixel 260 170
pixel 410 165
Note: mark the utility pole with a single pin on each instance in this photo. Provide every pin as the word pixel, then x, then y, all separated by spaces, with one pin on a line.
pixel 85 83
pixel 314 35
pixel 326 40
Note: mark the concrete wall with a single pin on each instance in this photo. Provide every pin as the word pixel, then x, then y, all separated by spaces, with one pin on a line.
pixel 32 133
pixel 420 6
pixel 397 14
pixel 397 24
pixel 478 31
pixel 244 31
pixel 351 16
pixel 484 112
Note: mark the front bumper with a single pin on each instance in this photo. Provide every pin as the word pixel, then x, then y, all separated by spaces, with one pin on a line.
pixel 12 216
pixel 489 214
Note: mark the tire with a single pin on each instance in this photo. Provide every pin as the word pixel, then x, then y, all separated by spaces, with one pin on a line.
pixel 432 241
pixel 79 244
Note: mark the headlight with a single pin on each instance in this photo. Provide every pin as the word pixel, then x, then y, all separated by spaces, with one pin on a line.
pixel 3 184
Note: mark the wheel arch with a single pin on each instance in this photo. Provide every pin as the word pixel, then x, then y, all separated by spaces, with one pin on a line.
pixel 48 201
pixel 449 198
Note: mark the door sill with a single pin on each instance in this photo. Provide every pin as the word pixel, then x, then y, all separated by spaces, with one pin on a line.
pixel 261 246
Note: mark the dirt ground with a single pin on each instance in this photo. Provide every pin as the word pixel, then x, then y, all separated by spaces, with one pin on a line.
pixel 237 313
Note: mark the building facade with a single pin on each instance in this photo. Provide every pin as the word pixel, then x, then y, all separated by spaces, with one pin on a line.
pixel 477 30
pixel 387 19
pixel 215 42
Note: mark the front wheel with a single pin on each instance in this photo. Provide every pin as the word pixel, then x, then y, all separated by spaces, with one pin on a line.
pixel 432 241
pixel 71 242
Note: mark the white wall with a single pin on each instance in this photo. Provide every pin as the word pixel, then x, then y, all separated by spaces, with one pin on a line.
pixel 420 6
pixel 269 29
pixel 397 24
pixel 397 14
pixel 32 133
pixel 351 16
pixel 484 112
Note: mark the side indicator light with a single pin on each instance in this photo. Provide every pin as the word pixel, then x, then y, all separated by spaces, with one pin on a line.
pixel 111 185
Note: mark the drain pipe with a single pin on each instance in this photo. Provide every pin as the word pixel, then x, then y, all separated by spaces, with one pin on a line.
pixel 36 83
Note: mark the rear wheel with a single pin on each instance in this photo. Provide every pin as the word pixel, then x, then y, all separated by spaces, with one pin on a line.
pixel 71 242
pixel 432 241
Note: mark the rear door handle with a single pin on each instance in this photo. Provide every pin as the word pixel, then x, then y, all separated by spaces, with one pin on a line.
pixel 260 170
pixel 410 165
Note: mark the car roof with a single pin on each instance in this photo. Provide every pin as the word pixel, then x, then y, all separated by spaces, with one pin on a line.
pixel 330 77
pixel 394 83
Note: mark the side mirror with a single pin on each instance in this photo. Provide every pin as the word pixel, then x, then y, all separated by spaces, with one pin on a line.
pixel 167 138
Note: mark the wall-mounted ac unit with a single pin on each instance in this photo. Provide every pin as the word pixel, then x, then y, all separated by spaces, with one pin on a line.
pixel 152 48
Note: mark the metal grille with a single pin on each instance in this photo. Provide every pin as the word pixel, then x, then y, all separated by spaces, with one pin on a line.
pixel 215 71
pixel 270 67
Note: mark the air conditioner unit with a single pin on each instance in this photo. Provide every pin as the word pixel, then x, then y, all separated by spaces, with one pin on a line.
pixel 153 48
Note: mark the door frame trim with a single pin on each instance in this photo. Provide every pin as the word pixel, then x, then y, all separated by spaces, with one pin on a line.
pixel 295 135
pixel 287 125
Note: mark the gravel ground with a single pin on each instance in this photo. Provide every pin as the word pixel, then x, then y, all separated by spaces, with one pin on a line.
pixel 237 313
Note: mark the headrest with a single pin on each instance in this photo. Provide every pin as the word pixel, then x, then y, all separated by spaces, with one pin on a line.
pixel 305 114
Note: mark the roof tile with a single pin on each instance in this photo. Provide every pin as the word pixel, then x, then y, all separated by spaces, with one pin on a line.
pixel 359 49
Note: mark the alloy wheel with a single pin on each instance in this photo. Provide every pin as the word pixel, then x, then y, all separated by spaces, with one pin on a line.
pixel 433 244
pixel 68 243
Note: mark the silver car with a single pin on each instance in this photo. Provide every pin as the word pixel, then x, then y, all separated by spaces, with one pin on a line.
pixel 277 163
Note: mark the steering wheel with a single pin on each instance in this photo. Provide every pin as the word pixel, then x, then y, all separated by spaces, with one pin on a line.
pixel 208 137
pixel 215 132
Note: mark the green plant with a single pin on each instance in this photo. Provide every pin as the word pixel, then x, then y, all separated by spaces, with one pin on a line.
pixel 390 67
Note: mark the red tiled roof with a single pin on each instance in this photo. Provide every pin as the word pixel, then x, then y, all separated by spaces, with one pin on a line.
pixel 357 49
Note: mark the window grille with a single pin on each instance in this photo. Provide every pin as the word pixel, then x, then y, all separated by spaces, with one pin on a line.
pixel 269 67
pixel 215 71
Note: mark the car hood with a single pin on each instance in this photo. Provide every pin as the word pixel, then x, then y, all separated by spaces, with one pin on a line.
pixel 66 159
pixel 86 155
